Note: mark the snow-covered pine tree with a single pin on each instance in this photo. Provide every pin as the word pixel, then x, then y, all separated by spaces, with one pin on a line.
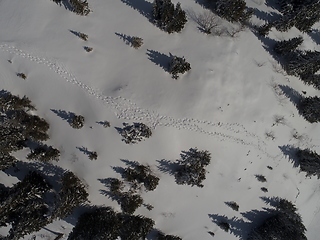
pixel 178 21
pixel 135 227
pixel 309 162
pixel 287 46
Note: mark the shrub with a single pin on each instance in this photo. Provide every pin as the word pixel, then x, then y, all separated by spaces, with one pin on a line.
pixel 93 155
pixel 77 121
pixel 191 168
pixel 22 75
pixel 233 205
pixel 263 189
pixel 167 17
pixel 88 49
pixel 178 65
pixel 261 178
pixel 136 42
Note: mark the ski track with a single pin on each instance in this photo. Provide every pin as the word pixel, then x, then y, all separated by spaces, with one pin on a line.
pixel 127 110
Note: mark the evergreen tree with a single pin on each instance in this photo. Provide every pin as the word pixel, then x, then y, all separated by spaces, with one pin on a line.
pixel 288 46
pixel 102 223
pixel 6 160
pixel 167 17
pixel 80 7
pixel 309 162
pixel 191 169
pixel 71 195
pixel 233 10
pixel 178 65
pixel 25 208
pixel 44 154
pixel 302 62
pixel 135 227
pixel 310 109
pixel 283 224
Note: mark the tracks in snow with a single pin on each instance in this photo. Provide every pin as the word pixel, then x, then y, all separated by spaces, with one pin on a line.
pixel 127 110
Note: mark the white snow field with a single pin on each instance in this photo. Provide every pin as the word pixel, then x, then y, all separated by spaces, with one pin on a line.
pixel 232 103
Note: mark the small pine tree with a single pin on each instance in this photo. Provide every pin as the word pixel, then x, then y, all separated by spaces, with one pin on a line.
pixel 233 10
pixel 178 65
pixel 77 121
pixel 130 202
pixel 80 7
pixel 136 42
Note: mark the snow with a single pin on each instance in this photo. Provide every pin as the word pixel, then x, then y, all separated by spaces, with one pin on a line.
pixel 225 104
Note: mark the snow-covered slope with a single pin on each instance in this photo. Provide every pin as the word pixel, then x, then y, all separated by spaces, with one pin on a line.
pixel 226 104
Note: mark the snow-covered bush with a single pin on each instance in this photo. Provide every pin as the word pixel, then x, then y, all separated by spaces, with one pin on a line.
pixel 167 17
pixel 309 108
pixel 191 168
pixel 135 133
pixel 178 65
pixel 77 121
pixel 309 162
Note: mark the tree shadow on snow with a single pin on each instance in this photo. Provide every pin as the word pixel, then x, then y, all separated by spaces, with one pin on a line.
pixel 294 96
pixel 64 3
pixel 238 226
pixel 67 116
pixel 142 6
pixel 159 59
pixel 315 35
pixel 126 39
pixel 167 166
pixel 291 152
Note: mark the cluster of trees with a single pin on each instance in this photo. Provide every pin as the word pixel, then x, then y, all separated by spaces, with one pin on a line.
pixel 27 209
pixel 105 223
pixel 191 169
pixel 232 10
pixel 18 126
pixel 80 7
pixel 284 223
pixel 135 133
pixel 135 177
pixel 24 206
pixel 168 17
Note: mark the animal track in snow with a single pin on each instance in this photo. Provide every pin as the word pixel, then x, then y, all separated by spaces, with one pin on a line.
pixel 127 110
